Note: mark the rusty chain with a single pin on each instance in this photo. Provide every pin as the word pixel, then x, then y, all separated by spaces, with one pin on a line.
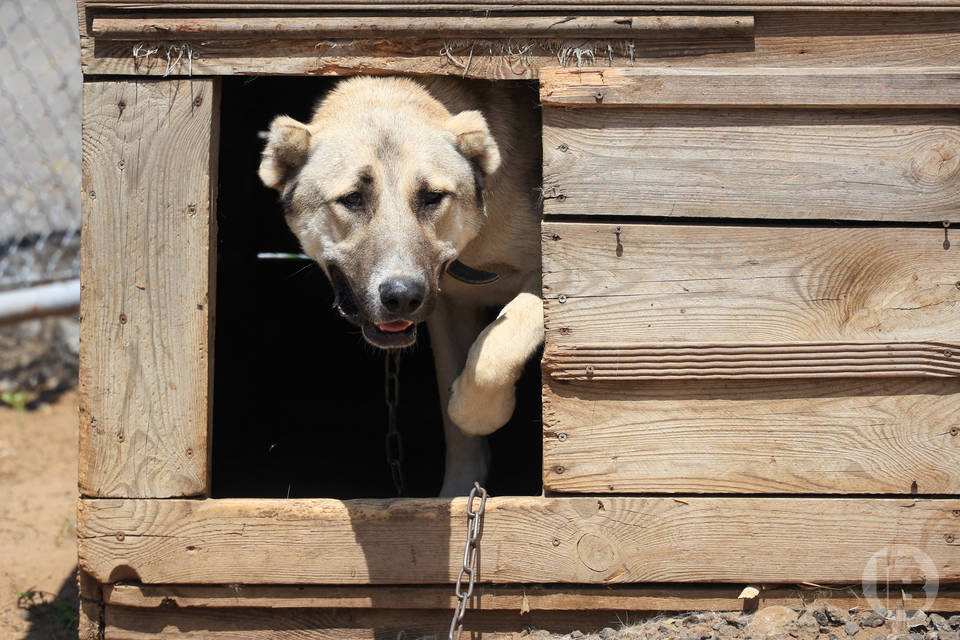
pixel 393 442
pixel 469 565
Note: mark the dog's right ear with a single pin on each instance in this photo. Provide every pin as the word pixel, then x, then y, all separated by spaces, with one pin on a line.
pixel 288 143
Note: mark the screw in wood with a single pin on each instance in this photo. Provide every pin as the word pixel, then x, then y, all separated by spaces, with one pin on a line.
pixel 561 298
pixel 954 431
pixel 123 318
pixel 563 148
pixel 949 538
pixel 562 437
pixel 556 542
pixel 197 101
pixel 120 536
pixel 598 96
pixel 558 469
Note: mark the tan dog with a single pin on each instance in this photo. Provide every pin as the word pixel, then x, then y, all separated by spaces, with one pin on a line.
pixel 409 195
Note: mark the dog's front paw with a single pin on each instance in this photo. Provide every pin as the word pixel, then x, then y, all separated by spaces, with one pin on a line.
pixel 480 410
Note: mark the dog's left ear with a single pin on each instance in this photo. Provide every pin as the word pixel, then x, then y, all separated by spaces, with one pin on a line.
pixel 474 140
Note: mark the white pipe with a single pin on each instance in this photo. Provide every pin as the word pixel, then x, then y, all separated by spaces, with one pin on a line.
pixel 59 298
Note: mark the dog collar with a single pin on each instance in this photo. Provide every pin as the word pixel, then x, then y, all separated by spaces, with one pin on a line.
pixel 469 275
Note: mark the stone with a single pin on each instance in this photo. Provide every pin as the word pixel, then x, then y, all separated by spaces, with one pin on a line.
pixel 939 622
pixel 735 618
pixel 917 621
pixel 727 630
pixel 872 619
pixel 954 621
pixel 770 620
pixel 949 635
pixel 852 628
pixel 576 633
pixel 607 633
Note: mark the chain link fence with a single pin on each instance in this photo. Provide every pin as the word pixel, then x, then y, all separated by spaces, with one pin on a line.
pixel 40 107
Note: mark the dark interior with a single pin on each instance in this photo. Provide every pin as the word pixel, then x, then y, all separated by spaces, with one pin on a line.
pixel 299 405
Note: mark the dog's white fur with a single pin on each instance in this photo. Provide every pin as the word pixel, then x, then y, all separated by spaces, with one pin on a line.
pixel 457 137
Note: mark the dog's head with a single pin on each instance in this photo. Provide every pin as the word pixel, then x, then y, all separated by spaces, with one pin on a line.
pixel 384 187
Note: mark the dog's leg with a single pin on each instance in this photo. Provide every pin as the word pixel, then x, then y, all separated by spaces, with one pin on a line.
pixel 484 394
pixel 452 330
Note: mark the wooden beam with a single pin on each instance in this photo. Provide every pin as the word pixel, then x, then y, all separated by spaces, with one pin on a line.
pixel 818 39
pixel 706 287
pixel 758 87
pixel 487 597
pixel 892 165
pixel 632 5
pixel 202 28
pixel 124 623
pixel 146 318
pixel 568 540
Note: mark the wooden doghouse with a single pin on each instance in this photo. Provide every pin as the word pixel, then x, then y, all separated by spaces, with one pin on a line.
pixel 752 298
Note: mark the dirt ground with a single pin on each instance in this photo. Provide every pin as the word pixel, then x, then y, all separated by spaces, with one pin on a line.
pixel 38 520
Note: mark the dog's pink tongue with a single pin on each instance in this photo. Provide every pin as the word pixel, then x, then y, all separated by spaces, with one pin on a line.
pixel 393 327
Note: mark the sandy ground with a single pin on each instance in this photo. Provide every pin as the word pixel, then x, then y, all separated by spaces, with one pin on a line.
pixel 38 520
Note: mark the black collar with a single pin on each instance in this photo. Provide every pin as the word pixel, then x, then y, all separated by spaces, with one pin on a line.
pixel 469 275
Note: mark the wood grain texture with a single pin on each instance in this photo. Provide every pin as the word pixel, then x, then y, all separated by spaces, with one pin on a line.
pixel 690 285
pixel 202 27
pixel 757 87
pixel 488 597
pixel 124 623
pixel 481 4
pixel 830 436
pixel 149 167
pixel 569 540
pixel 914 40
pixel 751 361
pixel 752 163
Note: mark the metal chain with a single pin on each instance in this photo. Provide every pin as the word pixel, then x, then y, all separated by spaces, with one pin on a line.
pixel 393 442
pixel 469 567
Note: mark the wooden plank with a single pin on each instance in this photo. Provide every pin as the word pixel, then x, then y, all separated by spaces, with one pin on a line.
pixel 569 540
pixel 194 27
pixel 913 40
pixel 758 87
pixel 753 163
pixel 487 597
pixel 428 5
pixel 751 361
pixel 690 285
pixel 124 623
pixel 830 436
pixel 149 229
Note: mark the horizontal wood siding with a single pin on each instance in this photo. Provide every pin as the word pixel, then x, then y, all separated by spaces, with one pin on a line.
pixel 755 87
pixel 696 285
pixel 567 540
pixel 753 163
pixel 146 317
pixel 832 436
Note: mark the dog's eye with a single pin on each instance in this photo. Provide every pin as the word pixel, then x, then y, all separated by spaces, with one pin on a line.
pixel 353 200
pixel 432 198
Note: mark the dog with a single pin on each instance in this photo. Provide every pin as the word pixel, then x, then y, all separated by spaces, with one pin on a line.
pixel 419 199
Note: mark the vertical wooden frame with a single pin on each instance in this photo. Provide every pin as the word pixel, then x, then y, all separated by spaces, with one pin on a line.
pixel 148 276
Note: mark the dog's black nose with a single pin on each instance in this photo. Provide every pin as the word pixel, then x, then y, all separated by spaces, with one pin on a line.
pixel 402 295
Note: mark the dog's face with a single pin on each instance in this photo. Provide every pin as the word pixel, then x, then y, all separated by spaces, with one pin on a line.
pixel 383 188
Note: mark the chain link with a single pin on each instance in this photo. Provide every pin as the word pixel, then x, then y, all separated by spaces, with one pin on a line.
pixel 393 442
pixel 468 569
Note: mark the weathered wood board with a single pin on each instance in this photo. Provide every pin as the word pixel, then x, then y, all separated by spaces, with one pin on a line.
pixel 690 285
pixel 886 165
pixel 149 229
pixel 123 623
pixel 855 435
pixel 567 540
pixel 754 87
pixel 489 597
pixel 913 40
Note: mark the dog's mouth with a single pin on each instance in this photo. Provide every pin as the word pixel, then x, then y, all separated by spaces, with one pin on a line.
pixel 345 302
pixel 390 335
pixel 394 334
